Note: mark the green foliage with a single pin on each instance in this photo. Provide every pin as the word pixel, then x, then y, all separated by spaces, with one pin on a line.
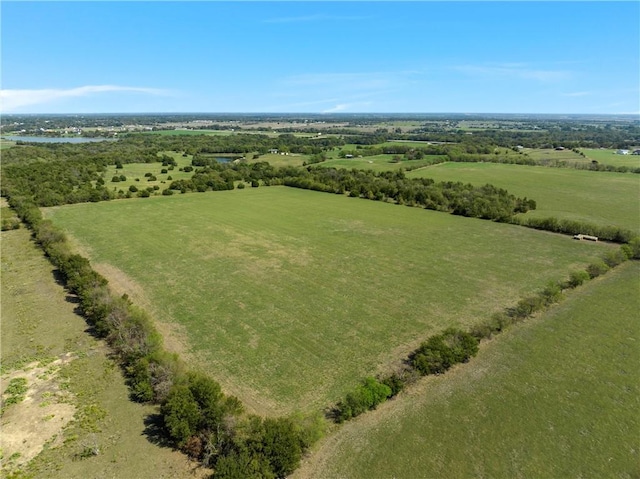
pixel 597 268
pixel 576 278
pixel 181 414
pixel 365 397
pixel 15 392
pixel 442 351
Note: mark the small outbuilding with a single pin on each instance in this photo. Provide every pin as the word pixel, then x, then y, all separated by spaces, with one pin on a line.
pixel 585 237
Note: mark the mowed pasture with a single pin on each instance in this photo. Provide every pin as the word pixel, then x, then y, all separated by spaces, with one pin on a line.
pixel 135 173
pixel 378 163
pixel 597 197
pixel 289 297
pixel 554 397
pixel 609 157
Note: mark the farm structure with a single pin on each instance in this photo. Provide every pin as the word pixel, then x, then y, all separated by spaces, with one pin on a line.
pixel 585 237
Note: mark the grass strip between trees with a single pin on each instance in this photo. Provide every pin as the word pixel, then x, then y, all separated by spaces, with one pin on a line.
pixel 197 417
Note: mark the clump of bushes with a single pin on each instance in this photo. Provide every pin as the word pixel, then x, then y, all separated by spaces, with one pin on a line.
pixel 365 397
pixel 440 352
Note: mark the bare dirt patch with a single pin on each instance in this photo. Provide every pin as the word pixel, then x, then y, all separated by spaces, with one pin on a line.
pixel 39 418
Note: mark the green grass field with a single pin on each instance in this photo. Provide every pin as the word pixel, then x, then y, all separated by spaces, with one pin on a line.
pixel 377 163
pixel 39 325
pixel 596 197
pixel 551 154
pixel 6 144
pixel 556 397
pixel 609 157
pixel 136 171
pixel 289 297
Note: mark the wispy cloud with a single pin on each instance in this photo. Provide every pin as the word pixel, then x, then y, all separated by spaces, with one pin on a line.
pixel 578 93
pixel 347 106
pixel 316 18
pixel 514 70
pixel 347 91
pixel 11 100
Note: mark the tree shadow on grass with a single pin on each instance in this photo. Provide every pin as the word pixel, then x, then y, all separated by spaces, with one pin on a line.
pixel 154 431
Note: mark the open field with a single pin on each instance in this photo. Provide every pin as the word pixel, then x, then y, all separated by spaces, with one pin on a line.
pixel 136 171
pixel 76 397
pixel 554 397
pixel 228 133
pixel 292 159
pixel 288 297
pixel 597 197
pixel 609 157
pixel 377 163
pixel 552 154
pixel 6 144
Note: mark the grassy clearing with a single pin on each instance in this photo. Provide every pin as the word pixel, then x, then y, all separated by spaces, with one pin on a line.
pixel 551 154
pixel 596 197
pixel 555 397
pixel 38 326
pixel 134 172
pixel 274 290
pixel 4 144
pixel 377 163
pixel 292 159
pixel 609 157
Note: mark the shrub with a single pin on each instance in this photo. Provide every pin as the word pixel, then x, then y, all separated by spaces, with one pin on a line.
pixel 367 396
pixel 442 351
pixel 576 278
pixel 167 192
pixel 133 188
pixel 596 269
pixel 614 258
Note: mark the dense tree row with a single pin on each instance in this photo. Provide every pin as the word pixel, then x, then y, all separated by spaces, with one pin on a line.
pixel 197 417
pixel 486 202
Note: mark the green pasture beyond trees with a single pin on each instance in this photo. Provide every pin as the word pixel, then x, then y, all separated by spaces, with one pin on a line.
pixel 378 163
pixel 609 157
pixel 289 297
pixel 597 197
pixel 555 397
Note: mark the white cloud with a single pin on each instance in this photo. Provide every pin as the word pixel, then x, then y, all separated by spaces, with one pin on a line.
pixel 346 106
pixel 11 100
pixel 578 93
pixel 514 70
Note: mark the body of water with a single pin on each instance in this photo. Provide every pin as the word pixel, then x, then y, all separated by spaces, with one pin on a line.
pixel 47 139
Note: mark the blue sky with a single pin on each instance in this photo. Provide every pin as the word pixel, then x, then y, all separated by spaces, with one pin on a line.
pixel 401 57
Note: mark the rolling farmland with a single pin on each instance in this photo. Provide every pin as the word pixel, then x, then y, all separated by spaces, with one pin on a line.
pixel 598 197
pixel 555 397
pixel 273 290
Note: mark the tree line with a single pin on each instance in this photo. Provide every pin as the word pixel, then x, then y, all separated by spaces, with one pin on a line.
pixel 196 416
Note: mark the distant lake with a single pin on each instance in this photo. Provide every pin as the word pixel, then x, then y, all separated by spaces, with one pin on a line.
pixel 46 139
